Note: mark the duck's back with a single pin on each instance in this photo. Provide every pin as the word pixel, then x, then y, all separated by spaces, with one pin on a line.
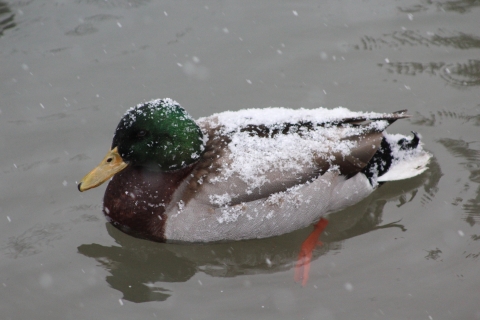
pixel 268 172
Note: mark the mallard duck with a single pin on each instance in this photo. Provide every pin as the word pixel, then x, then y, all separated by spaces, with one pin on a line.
pixel 253 173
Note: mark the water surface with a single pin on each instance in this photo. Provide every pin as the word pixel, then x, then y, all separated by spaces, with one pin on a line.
pixel 69 70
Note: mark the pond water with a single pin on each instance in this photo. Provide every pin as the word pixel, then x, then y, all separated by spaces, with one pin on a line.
pixel 70 69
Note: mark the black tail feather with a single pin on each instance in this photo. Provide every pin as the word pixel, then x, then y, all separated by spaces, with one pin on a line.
pixel 382 159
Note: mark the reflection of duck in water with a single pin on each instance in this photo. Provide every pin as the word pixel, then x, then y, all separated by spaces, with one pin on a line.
pixel 246 174
pixel 142 270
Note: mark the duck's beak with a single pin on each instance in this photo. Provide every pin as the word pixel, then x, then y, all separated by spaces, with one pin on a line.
pixel 110 165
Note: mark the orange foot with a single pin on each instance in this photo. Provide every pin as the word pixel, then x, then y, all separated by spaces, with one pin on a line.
pixel 302 268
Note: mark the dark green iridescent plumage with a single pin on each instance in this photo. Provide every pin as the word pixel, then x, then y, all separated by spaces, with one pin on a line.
pixel 158 135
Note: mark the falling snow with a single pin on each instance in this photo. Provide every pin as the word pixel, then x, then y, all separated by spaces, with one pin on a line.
pixel 348 287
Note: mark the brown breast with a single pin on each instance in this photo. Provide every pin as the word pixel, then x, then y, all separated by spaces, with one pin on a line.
pixel 135 200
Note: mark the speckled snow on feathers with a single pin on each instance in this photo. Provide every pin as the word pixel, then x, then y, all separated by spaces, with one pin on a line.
pixel 269 173
pixel 252 156
pixel 167 105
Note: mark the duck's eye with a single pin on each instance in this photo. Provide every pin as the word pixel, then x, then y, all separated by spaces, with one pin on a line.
pixel 141 133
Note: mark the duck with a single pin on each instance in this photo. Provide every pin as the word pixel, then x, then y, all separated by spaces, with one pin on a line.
pixel 252 173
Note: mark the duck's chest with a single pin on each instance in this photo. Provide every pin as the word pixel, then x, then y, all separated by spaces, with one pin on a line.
pixel 135 201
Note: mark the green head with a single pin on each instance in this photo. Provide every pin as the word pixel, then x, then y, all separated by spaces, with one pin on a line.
pixel 159 135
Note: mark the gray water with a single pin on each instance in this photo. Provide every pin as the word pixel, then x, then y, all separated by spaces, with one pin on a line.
pixel 69 70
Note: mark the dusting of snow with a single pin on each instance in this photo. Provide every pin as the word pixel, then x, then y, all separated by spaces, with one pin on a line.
pixel 168 105
pixel 181 205
pixel 290 196
pixel 231 214
pixel 405 163
pixel 252 155
pixel 220 200
pixel 233 120
pixel 268 165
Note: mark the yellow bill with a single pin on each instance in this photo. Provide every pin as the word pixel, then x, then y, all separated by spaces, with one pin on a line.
pixel 110 165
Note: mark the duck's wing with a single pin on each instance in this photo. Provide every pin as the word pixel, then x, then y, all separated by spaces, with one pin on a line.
pixel 253 161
